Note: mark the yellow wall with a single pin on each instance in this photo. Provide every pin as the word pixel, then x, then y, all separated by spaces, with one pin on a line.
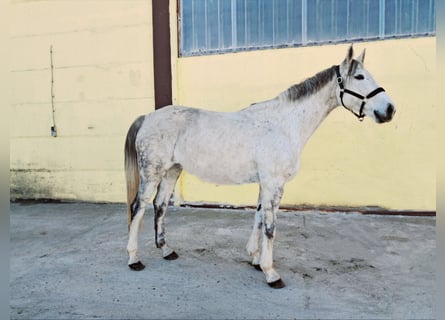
pixel 347 162
pixel 103 79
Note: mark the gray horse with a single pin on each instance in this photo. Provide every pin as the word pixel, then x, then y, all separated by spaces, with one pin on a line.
pixel 259 144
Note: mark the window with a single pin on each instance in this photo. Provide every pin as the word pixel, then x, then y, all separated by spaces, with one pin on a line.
pixel 215 26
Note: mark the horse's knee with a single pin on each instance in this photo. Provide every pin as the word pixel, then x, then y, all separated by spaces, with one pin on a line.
pixel 269 230
pixel 269 223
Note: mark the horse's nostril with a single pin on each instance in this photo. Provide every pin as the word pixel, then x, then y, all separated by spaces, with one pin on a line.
pixel 390 109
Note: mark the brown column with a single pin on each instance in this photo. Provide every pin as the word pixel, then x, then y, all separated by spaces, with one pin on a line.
pixel 162 53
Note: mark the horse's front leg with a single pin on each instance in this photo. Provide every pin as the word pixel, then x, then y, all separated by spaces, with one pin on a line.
pixel 270 206
pixel 253 245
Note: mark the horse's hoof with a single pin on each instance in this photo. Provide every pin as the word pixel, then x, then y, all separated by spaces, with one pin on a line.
pixel 137 266
pixel 172 256
pixel 257 267
pixel 277 284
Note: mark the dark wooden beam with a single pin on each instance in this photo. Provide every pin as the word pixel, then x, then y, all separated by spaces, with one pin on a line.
pixel 162 53
pixel 363 210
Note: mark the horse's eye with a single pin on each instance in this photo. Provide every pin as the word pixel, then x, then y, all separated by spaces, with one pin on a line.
pixel 359 77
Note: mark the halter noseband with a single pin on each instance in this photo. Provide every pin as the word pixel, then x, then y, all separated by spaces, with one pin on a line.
pixel 364 99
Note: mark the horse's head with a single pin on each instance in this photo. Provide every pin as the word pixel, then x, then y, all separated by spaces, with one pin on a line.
pixel 358 92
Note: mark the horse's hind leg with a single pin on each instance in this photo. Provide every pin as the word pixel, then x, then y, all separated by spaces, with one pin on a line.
pixel 160 205
pixel 146 189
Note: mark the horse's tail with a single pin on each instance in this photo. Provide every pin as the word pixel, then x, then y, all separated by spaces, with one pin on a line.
pixel 131 165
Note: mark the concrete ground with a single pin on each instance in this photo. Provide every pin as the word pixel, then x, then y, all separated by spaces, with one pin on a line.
pixel 68 261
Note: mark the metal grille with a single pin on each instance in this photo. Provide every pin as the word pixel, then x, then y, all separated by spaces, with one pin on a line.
pixel 215 26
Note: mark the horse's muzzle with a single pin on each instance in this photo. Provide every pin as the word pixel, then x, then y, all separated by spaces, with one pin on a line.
pixel 387 116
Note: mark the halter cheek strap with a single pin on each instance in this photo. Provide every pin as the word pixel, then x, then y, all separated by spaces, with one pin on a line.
pixel 364 99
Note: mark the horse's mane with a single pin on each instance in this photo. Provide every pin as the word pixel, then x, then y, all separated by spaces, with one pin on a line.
pixel 298 91
pixel 308 86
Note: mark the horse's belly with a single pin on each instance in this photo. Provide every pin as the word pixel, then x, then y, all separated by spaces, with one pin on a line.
pixel 221 170
pixel 220 163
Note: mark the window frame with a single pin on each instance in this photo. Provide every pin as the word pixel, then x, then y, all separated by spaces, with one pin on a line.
pixel 304 31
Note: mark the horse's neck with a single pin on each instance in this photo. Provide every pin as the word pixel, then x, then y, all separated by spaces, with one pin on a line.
pixel 299 118
pixel 305 115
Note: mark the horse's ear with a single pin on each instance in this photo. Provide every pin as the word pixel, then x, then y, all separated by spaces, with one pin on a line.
pixel 350 54
pixel 346 63
pixel 361 58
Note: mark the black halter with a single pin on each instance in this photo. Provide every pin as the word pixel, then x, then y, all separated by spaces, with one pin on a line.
pixel 364 99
